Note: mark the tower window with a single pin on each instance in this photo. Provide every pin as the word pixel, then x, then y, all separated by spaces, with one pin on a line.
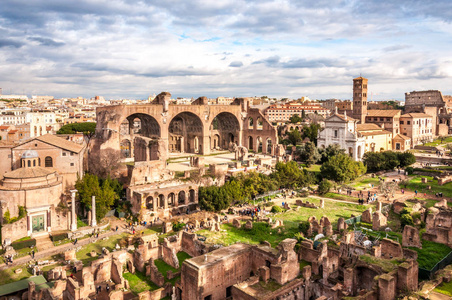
pixel 335 133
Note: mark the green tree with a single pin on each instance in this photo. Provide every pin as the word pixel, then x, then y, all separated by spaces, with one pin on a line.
pixel 374 161
pixel 406 158
pixel 309 153
pixel 311 132
pixel 391 160
pixel 341 168
pixel 294 137
pixel 303 114
pixel 324 186
pixel 88 128
pixel 104 192
pixel 330 151
pixel 295 119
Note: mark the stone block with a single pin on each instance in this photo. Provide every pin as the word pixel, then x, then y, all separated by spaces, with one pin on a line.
pixel 236 223
pixel 264 273
pixel 69 255
pixel 249 225
pixel 410 237
pixel 424 180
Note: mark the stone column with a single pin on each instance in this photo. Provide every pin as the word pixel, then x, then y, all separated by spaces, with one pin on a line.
pixel 93 211
pixel 73 215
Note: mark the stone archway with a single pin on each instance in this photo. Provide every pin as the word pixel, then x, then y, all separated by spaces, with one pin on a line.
pixel 226 126
pixel 126 147
pixel 191 196
pixel 250 143
pixel 181 198
pixel 140 124
pixel 171 199
pixel 259 145
pixel 269 146
pixel 183 130
pixel 150 203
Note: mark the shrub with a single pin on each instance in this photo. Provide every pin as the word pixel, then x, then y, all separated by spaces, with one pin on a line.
pixel 303 193
pixel 7 216
pixel 276 209
pixel 304 227
pixel 58 237
pixel 23 244
pixel 324 186
pixel 406 219
pixel 409 170
pixel 177 226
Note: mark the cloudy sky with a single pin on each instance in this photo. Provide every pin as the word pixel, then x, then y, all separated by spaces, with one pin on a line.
pixel 192 48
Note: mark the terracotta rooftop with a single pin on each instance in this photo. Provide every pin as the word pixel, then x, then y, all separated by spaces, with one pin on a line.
pixel 32 172
pixel 368 126
pixel 383 112
pixel 370 133
pixel 416 115
pixel 59 142
pixel 401 136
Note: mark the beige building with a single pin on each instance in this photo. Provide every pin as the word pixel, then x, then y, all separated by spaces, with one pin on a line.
pixel 31 194
pixel 387 119
pixel 417 126
pixel 276 113
pixel 58 154
pixel 376 138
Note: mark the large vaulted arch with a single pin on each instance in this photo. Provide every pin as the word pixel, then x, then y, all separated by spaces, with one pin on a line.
pixel 185 133
pixel 224 130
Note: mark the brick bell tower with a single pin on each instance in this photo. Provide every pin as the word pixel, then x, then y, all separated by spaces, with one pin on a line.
pixel 360 99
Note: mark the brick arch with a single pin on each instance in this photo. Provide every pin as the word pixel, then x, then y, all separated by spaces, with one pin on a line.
pixel 183 129
pixel 227 127
pixel 150 127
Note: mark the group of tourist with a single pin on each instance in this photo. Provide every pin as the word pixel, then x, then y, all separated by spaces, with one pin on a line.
pixel 370 197
pixel 9 259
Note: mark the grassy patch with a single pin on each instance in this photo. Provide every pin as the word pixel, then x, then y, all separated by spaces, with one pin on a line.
pixel 340 197
pixel 304 263
pixel 365 182
pixel 8 275
pixel 139 282
pixel 439 142
pixel 110 243
pixel 262 231
pixel 80 223
pixel 416 184
pixel 430 254
pixel 313 168
pixel 385 264
pixel 271 285
pixel 444 288
pixel 163 267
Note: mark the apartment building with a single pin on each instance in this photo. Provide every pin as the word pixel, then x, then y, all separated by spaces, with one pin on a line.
pixel 418 127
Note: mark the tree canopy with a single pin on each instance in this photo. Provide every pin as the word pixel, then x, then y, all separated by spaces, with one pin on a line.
pixel 388 160
pixel 86 127
pixel 341 168
pixel 105 190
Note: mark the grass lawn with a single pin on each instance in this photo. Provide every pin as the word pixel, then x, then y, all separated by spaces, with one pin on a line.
pixel 163 267
pixel 438 142
pixel 312 168
pixel 365 182
pixel 430 254
pixel 444 288
pixel 8 275
pixel 139 282
pixel 262 231
pixel 109 244
pixel 416 184
pixel 340 197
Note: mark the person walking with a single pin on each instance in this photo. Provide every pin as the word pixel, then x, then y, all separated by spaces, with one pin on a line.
pixel 33 254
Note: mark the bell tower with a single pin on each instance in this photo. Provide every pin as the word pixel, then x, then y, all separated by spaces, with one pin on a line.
pixel 360 99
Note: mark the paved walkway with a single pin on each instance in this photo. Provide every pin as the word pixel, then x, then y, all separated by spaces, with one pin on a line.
pixel 63 248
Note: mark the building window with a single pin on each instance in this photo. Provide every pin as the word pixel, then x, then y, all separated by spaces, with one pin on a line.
pixel 72 164
pixel 401 122
pixel 408 122
pixel 48 162
pixel 335 133
pixel 382 119
pixel 64 153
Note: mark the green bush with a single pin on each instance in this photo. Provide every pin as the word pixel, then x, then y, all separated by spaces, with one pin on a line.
pixel 406 219
pixel 409 170
pixel 276 209
pixel 23 244
pixel 6 216
pixel 177 226
pixel 304 227
pixel 324 186
pixel 58 237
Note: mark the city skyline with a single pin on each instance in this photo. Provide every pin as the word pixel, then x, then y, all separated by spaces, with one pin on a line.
pixel 128 49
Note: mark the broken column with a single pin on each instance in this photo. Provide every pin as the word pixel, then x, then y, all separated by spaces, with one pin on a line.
pixel 73 215
pixel 93 211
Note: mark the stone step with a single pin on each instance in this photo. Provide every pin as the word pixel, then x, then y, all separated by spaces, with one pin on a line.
pixel 43 243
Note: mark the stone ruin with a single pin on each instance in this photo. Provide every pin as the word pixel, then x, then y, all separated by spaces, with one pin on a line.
pixel 323 226
pixel 438 225
pixel 305 204
pixel 411 237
